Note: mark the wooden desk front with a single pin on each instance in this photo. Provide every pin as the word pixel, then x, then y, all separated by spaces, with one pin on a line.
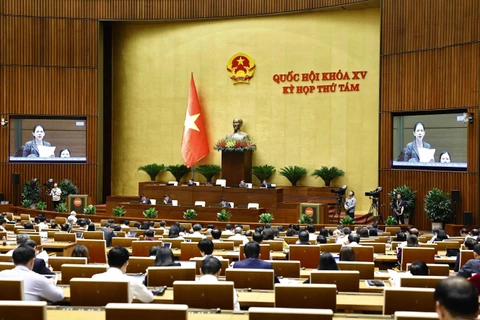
pixel 212 194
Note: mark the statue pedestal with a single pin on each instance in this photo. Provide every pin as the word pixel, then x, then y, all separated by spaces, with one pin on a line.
pixel 236 166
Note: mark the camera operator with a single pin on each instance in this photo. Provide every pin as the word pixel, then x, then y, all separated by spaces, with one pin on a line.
pixel 398 209
pixel 350 204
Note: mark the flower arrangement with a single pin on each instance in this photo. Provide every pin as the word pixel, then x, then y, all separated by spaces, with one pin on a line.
pixel 150 213
pixel 90 209
pixel 119 211
pixel 226 144
pixel 61 207
pixel 347 220
pixel 224 215
pixel 190 214
pixel 304 219
pixel 266 217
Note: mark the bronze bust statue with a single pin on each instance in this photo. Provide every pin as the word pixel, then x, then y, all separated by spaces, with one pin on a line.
pixel 237 133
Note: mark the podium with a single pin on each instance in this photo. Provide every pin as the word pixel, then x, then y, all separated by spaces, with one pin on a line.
pixel 236 166
pixel 313 210
pixel 77 202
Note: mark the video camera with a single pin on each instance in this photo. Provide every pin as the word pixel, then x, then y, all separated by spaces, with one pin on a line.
pixel 374 193
pixel 341 191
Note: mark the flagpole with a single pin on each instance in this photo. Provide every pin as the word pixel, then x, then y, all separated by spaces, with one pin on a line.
pixel 193 167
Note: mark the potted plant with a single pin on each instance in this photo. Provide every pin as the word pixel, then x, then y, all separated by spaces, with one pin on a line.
pixel 263 172
pixel 438 207
pixel 305 219
pixel 293 173
pixel 224 216
pixel 68 188
pixel 328 174
pixel 150 213
pixel 390 221
pixel 31 191
pixel 178 171
pixel 347 220
pixel 90 209
pixel 189 214
pixel 119 211
pixel 41 205
pixel 208 171
pixel 408 195
pixel 266 217
pixel 26 203
pixel 152 170
pixel 61 207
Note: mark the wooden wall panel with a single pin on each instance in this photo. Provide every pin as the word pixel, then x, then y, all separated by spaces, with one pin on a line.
pixel 20 40
pixel 411 25
pixel 433 79
pixel 48 91
pixel 162 9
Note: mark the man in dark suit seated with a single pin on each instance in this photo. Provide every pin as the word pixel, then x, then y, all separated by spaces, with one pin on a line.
pixel 166 199
pixel 265 184
pixel 144 200
pixel 225 204
pixel 108 234
pixel 39 265
pixel 253 261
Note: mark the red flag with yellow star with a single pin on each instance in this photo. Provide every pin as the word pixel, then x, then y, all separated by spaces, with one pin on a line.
pixel 194 141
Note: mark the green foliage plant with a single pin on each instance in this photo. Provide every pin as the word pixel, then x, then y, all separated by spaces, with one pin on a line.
pixel 61 207
pixel 266 217
pixel 150 213
pixel 438 205
pixel 119 211
pixel 328 174
pixel 347 220
pixel 152 170
pixel 68 188
pixel 90 209
pixel 305 219
pixel 178 171
pixel 293 173
pixel 208 171
pixel 408 195
pixel 41 205
pixel 224 216
pixel 190 214
pixel 263 172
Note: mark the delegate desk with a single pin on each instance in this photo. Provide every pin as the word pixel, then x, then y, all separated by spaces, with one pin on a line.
pixel 203 213
pixel 266 298
pixel 61 248
pixel 268 198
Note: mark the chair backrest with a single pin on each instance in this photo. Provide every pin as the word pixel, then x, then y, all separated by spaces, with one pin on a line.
pixel 139 264
pixel 436 269
pixel 10 216
pixel 5 258
pixel 346 281
pixel 306 296
pixel 308 255
pixel 6 265
pixel 409 315
pixel 221 182
pixel 142 248
pixel 57 262
pixel 255 313
pixel 395 244
pixel 264 252
pixel 128 311
pixel 23 310
pixel 286 268
pixel 420 281
pixel 290 240
pixel 363 253
pixel 189 250
pixel 366 269
pixel 90 292
pixel 465 255
pixel 198 262
pixel 99 235
pixel 226 245
pixel 175 242
pixel 165 276
pixel 173 183
pixel 70 271
pixel 97 251
pixel 37 238
pixel 253 206
pixel 199 203
pixel 275 245
pixel 123 241
pixel 251 278
pixel 60 220
pixel 25 216
pixel 378 247
pixel 64 237
pixel 192 238
pixel 410 254
pixel 204 295
pixel 12 289
pixel 392 230
pixel 406 299
pixel 187 225
pixel 330 247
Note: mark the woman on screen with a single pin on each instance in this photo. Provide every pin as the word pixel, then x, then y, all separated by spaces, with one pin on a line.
pixel 444 157
pixel 412 153
pixel 30 149
pixel 65 153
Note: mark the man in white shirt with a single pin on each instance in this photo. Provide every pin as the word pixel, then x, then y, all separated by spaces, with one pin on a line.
pixel 118 262
pixel 36 287
pixel 196 230
pixel 353 240
pixel 210 271
pixel 238 235
pixel 228 229
pixel 42 225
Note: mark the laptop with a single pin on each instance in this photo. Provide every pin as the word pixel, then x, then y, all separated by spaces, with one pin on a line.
pixel 452 252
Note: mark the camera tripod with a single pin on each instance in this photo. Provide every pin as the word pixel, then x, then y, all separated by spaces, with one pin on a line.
pixel 338 208
pixel 374 211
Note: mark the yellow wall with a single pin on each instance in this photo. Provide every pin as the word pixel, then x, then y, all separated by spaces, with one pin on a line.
pixel 152 65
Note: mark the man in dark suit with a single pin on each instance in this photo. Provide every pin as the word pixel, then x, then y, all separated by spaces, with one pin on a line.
pixel 166 199
pixel 39 265
pixel 265 184
pixel 225 204
pixel 144 200
pixel 108 234
pixel 253 261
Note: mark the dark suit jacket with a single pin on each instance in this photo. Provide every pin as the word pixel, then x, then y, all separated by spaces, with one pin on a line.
pixel 226 205
pixel 147 201
pixel 108 235
pixel 40 267
pixel 253 263
pixel 263 185
pixel 411 152
pixel 168 202
pixel 30 149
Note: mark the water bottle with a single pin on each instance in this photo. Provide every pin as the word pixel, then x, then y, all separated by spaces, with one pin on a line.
pixel 4 241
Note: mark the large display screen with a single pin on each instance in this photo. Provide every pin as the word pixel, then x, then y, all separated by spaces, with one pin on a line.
pixel 431 141
pixel 47 139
